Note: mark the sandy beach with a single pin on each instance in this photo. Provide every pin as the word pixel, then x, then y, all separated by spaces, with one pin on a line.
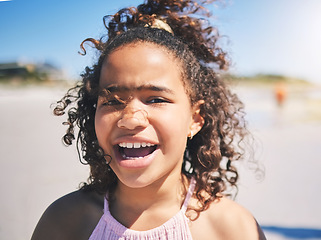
pixel 36 168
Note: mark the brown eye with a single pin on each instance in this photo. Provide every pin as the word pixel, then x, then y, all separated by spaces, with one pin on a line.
pixel 157 100
pixel 112 102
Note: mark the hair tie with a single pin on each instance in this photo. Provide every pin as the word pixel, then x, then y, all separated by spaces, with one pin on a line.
pixel 160 24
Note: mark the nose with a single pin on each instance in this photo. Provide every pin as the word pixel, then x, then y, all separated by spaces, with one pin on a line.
pixel 133 118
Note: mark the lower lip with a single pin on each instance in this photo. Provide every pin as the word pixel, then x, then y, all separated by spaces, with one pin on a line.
pixel 135 163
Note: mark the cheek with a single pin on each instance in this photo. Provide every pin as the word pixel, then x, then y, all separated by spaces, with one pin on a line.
pixel 98 127
pixel 173 130
pixel 103 125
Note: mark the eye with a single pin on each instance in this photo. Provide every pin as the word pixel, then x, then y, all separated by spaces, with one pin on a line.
pixel 112 102
pixel 157 100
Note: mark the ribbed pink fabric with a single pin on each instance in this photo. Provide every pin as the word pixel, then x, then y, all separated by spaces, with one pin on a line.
pixel 175 228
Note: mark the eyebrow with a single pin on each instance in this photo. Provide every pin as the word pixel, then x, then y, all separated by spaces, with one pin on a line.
pixel 149 87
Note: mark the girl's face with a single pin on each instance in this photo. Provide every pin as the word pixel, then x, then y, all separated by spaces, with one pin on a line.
pixel 144 121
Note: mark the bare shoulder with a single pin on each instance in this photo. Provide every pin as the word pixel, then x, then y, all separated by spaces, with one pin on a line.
pixel 73 216
pixel 226 219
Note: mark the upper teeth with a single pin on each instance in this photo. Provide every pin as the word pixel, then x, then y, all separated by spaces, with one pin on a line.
pixel 135 145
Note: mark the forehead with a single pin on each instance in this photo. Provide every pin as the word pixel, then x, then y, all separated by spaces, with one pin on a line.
pixel 144 45
pixel 140 63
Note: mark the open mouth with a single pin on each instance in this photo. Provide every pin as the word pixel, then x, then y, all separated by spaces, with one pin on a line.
pixel 135 150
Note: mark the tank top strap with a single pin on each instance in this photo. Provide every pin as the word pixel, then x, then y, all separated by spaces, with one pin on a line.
pixel 106 206
pixel 189 194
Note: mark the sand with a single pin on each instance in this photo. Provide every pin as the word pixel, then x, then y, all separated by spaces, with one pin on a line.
pixel 36 168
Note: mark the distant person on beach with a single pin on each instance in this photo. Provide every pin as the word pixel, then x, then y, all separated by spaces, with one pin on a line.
pixel 280 93
pixel 160 131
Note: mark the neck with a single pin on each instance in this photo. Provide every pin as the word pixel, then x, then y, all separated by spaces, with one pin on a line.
pixel 129 205
pixel 166 189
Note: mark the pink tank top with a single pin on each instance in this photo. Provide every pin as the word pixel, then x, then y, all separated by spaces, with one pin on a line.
pixel 175 228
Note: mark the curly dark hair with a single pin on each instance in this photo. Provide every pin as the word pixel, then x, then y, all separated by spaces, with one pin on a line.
pixel 210 154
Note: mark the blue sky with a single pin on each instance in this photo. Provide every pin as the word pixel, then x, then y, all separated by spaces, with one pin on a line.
pixel 266 36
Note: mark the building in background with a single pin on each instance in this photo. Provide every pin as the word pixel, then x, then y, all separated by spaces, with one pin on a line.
pixel 23 72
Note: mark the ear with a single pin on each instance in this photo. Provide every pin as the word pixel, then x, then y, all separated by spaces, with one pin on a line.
pixel 197 119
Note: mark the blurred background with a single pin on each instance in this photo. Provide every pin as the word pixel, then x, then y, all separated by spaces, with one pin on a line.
pixel 275 51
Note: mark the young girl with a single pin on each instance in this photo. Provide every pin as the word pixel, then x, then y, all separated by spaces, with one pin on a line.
pixel 160 132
